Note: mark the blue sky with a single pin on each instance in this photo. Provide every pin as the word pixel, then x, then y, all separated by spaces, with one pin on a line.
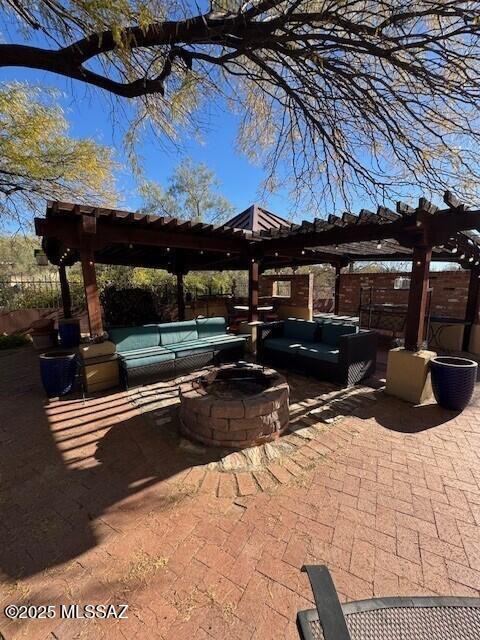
pixel 87 110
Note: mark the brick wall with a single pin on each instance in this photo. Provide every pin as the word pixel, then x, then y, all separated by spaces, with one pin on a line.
pixel 449 295
pixel 301 288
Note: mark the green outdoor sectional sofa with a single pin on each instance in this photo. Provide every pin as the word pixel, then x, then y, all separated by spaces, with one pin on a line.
pixel 169 349
pixel 327 349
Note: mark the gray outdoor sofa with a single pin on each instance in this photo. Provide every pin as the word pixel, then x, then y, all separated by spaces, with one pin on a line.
pixel 336 351
pixel 157 351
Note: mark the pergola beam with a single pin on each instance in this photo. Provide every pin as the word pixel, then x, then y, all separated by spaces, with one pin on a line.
pixel 417 299
pixel 253 275
pixel 92 298
pixel 111 233
pixel 65 292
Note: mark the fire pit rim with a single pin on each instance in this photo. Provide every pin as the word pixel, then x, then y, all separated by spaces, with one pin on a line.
pixel 217 418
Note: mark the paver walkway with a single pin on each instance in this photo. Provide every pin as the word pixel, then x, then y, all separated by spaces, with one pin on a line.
pixel 94 510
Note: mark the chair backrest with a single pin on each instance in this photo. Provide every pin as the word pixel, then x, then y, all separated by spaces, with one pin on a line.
pixel 174 332
pixel 300 329
pixel 132 338
pixel 208 327
pixel 331 332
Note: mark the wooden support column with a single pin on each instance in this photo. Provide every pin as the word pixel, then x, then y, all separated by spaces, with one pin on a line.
pixel 472 311
pixel 417 299
pixel 65 291
pixel 253 273
pixel 180 297
pixel 336 298
pixel 92 297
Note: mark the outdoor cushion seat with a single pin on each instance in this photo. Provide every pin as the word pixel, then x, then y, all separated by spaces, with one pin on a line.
pixel 288 345
pixel 187 348
pixel 132 338
pixel 208 327
pixel 172 344
pixel 225 339
pixel 318 351
pixel 142 361
pixel 203 345
pixel 332 331
pixel 335 351
pixel 176 332
pixel 143 353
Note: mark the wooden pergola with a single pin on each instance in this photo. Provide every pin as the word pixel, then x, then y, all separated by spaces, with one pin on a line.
pixel 257 240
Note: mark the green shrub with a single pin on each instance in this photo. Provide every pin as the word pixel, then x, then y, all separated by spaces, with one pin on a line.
pixel 15 340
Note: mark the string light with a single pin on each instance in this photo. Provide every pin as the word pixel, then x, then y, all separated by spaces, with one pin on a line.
pixel 130 246
pixel 379 245
pixel 454 250
pixel 303 252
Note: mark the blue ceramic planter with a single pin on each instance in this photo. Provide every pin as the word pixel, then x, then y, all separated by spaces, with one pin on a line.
pixel 69 333
pixel 453 381
pixel 58 370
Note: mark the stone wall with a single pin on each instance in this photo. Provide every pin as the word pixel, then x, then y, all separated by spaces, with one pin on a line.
pixel 449 295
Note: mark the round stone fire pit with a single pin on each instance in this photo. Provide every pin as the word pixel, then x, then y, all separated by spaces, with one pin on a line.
pixel 234 406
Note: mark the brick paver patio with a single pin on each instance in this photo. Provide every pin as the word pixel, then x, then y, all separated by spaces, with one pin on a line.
pixel 101 503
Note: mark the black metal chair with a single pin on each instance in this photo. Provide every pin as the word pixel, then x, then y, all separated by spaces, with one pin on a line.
pixel 416 618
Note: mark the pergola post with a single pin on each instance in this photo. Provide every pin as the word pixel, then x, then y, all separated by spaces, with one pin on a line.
pixel 336 298
pixel 180 297
pixel 92 297
pixel 417 298
pixel 253 273
pixel 472 311
pixel 65 291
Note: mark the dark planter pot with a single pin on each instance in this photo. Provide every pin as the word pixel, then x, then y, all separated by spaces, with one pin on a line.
pixel 453 381
pixel 69 333
pixel 58 370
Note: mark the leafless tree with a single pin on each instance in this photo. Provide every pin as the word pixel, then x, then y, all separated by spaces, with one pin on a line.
pixel 374 95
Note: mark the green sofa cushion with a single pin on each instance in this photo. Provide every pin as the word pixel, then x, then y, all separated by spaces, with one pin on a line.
pixel 143 361
pixel 130 338
pixel 181 349
pixel 176 332
pixel 300 330
pixel 225 341
pixel 143 353
pixel 215 343
pixel 282 344
pixel 318 351
pixel 207 327
pixel 332 331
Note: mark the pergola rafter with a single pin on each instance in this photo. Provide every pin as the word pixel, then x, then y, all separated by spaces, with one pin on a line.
pixel 257 239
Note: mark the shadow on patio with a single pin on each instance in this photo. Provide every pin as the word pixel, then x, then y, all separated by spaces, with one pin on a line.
pixel 75 474
pixel 66 464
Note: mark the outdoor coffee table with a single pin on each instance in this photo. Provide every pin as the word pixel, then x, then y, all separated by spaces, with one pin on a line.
pixel 415 618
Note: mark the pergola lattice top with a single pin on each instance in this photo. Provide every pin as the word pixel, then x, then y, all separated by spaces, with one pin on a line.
pixel 122 237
